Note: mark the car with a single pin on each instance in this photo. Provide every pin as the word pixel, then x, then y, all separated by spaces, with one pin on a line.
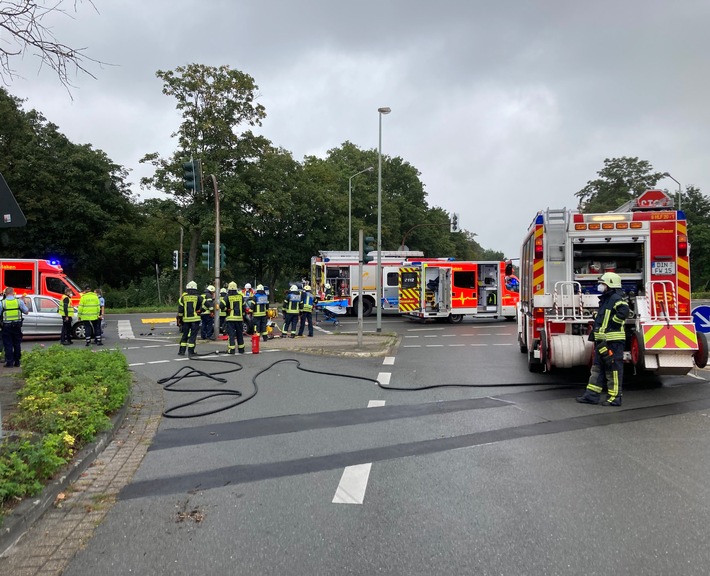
pixel 43 319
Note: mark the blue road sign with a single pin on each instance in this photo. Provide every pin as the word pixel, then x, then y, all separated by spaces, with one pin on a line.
pixel 701 318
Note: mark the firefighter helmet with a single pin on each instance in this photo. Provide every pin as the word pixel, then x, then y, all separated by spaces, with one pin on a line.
pixel 247 286
pixel 232 285
pixel 307 288
pixel 293 288
pixel 327 286
pixel 611 279
pixel 222 290
pixel 210 288
pixel 191 285
pixel 259 287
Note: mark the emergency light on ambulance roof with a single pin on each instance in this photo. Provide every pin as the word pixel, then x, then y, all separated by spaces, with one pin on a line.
pixel 54 262
pixel 595 226
pixel 622 225
pixel 608 226
pixel 636 224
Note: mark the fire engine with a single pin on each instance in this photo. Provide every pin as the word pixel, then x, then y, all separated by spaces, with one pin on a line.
pixel 29 276
pixel 452 289
pixel 645 242
pixel 340 271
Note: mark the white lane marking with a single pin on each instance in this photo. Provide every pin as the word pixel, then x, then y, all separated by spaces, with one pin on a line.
pixel 388 361
pixel 159 361
pixel 417 336
pixel 448 335
pixel 452 345
pixel 431 336
pixel 696 377
pixel 434 346
pixel 153 346
pixel 137 364
pixel 353 483
pixel 478 344
pixel 125 332
pixel 503 344
pixel 423 329
pixel 412 346
pixel 384 378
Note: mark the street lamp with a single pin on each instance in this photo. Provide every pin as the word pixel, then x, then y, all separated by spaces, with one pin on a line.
pixel 667 175
pixel 378 273
pixel 350 204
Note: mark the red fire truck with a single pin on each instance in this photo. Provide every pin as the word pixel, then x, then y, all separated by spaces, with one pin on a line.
pixel 564 253
pixel 452 289
pixel 29 276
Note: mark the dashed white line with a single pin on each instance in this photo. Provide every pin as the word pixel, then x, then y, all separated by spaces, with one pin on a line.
pixel 384 378
pixel 375 403
pixel 434 345
pixel 388 361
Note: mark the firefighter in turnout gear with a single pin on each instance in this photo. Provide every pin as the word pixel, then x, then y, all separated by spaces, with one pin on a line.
pixel 292 304
pixel 307 302
pixel 609 336
pixel 190 306
pixel 207 316
pixel 235 316
pixel 222 310
pixel 261 310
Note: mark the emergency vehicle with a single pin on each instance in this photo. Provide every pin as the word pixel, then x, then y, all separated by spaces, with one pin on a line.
pixel 562 257
pixel 452 289
pixel 29 276
pixel 341 271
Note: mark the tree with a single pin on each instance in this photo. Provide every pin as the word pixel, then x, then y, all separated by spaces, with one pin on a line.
pixel 696 207
pixel 215 102
pixel 621 180
pixel 23 20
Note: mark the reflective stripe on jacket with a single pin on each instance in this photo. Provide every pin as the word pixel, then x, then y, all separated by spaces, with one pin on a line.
pixel 609 321
pixel 89 306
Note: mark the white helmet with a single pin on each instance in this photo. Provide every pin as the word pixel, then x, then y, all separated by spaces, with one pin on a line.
pixel 191 285
pixel 327 286
pixel 260 287
pixel 293 288
pixel 232 286
pixel 210 288
pixel 247 286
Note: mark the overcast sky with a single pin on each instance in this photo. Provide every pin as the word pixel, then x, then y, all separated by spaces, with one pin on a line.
pixel 506 107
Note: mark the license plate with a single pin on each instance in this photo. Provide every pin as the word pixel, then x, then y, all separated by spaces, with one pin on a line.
pixel 663 268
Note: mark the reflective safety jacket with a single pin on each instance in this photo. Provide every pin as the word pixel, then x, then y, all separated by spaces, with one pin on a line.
pixel 609 321
pixel 307 301
pixel 190 306
pixel 261 303
pixel 235 306
pixel 89 306
pixel 11 311
pixel 292 302
pixel 65 307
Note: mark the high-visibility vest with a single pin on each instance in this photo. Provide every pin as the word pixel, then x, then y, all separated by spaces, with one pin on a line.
pixel 11 310
pixel 89 306
pixel 307 302
pixel 235 306
pixel 190 306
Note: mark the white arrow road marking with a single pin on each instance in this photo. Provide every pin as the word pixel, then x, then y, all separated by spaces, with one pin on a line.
pixel 704 322
pixel 353 482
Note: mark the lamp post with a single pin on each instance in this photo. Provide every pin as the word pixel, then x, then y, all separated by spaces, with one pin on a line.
pixel 676 181
pixel 350 204
pixel 378 272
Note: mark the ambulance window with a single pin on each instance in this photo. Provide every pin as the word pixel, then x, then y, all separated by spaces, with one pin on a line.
pixel 465 279
pixel 19 279
pixel 55 285
pixel 409 279
pixel 392 279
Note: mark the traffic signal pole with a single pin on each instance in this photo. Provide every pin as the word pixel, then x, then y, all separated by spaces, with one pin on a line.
pixel 217 259
pixel 359 298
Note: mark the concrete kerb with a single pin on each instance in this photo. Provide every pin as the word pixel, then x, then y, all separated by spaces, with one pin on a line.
pixel 25 514
pixel 339 344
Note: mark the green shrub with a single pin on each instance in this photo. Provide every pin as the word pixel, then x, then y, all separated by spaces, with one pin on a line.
pixel 66 400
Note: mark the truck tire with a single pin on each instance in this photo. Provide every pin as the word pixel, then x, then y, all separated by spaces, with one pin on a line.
pixel 533 364
pixel 455 318
pixel 638 351
pixel 701 356
pixel 367 307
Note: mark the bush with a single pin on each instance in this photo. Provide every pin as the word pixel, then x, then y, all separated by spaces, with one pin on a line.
pixel 67 399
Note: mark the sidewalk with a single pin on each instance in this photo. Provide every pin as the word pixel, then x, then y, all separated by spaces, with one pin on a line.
pixel 43 533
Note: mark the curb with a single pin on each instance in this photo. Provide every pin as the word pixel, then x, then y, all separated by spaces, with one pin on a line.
pixel 25 514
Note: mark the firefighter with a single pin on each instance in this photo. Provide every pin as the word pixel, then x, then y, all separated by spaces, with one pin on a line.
pixel 188 317
pixel 11 310
pixel 261 311
pixel 90 314
pixel 608 335
pixel 207 316
pixel 306 307
pixel 235 316
pixel 292 303
pixel 222 310
pixel 66 311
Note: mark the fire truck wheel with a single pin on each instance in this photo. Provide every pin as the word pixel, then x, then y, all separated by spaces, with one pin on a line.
pixel 455 318
pixel 637 351
pixel 78 332
pixel 701 356
pixel 545 350
pixel 367 306
pixel 533 364
pixel 509 318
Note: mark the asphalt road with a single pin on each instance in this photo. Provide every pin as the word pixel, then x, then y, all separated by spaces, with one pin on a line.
pixel 326 474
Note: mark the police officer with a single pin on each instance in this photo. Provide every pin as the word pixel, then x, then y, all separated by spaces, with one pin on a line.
pixel 11 310
pixel 235 316
pixel 608 335
pixel 207 316
pixel 306 306
pixel 90 314
pixel 188 317
pixel 261 310
pixel 292 304
pixel 66 311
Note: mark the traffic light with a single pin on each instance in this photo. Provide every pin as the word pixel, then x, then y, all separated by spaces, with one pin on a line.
pixel 368 250
pixel 176 260
pixel 222 256
pixel 455 222
pixel 192 177
pixel 208 255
